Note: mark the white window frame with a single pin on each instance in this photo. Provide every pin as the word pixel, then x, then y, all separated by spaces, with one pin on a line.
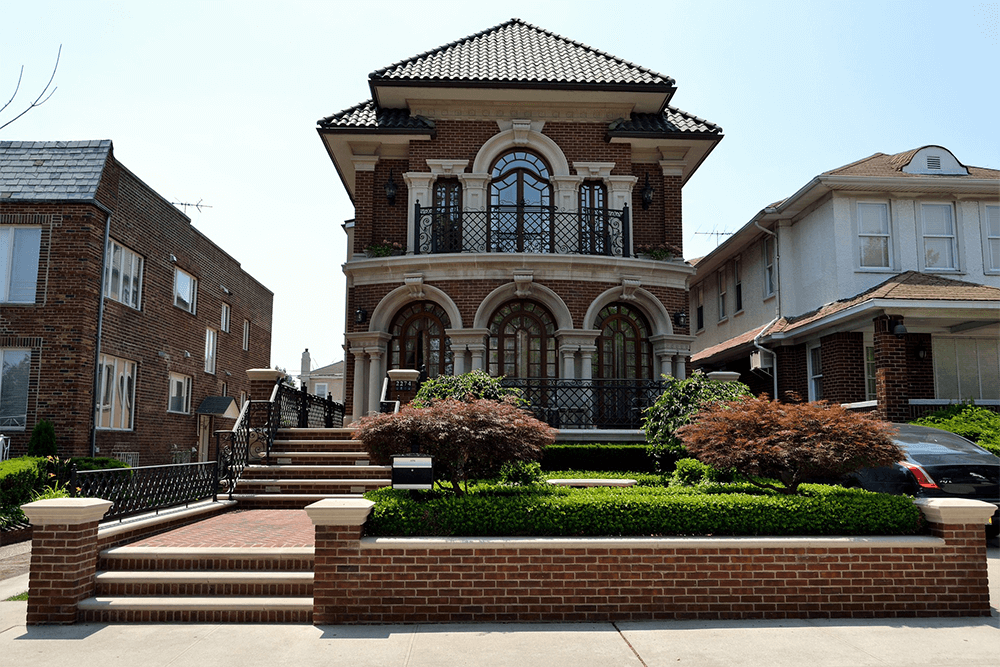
pixel 738 286
pixel 114 286
pixel 12 239
pixel 225 317
pixel 924 236
pixel 114 392
pixel 192 295
pixel 324 392
pixel 981 378
pixel 871 386
pixel 225 389
pixel 699 308
pixel 246 334
pixel 14 421
pixel 767 258
pixel 991 238
pixel 243 399
pixel 211 349
pixel 721 278
pixel 864 235
pixel 183 383
pixel 815 374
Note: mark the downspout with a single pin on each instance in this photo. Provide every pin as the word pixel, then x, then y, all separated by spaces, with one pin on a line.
pixel 100 327
pixel 777 314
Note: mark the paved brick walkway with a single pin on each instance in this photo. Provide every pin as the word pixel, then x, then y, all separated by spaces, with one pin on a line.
pixel 246 528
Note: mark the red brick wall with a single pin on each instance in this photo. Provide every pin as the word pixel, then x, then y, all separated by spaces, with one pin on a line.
pixel 445 582
pixel 63 565
pixel 61 326
pixel 891 375
pixel 792 373
pixel 843 359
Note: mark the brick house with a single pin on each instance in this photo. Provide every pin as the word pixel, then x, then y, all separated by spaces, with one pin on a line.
pixel 505 188
pixel 876 284
pixel 179 321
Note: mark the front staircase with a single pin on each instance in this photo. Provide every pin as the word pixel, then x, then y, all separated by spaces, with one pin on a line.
pixel 241 585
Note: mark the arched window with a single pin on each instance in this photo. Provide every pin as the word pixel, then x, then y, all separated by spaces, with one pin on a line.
pixel 520 204
pixel 623 348
pixel 419 340
pixel 522 341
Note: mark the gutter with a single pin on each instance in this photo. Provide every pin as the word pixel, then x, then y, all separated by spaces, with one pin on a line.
pixel 777 314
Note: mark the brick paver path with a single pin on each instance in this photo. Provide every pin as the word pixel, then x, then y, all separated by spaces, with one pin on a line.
pixel 246 528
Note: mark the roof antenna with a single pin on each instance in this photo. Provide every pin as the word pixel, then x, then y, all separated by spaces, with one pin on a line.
pixel 198 206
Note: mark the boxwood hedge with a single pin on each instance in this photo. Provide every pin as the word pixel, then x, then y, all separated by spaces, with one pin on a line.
pixel 640 511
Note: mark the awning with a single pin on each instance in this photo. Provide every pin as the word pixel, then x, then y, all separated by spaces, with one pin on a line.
pixel 219 406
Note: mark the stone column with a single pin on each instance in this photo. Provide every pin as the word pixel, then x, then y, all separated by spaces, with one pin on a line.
pixel 418 185
pixel 569 363
pixel 478 351
pixel 375 377
pixel 680 372
pixel 358 399
pixel 337 582
pixel 587 361
pixel 63 556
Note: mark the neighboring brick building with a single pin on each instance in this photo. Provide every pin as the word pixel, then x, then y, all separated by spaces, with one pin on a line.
pixel 180 321
pixel 506 187
pixel 877 283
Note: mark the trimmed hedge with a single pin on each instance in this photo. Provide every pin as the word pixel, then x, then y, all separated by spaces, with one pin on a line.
pixel 978 424
pixel 612 456
pixel 20 478
pixel 727 510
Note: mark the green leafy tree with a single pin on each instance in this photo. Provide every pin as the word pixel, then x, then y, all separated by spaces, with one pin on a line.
pixel 791 442
pixel 43 439
pixel 676 406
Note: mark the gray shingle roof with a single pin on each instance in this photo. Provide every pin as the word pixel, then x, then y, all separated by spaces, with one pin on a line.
pixel 517 52
pixel 366 116
pixel 51 170
pixel 670 121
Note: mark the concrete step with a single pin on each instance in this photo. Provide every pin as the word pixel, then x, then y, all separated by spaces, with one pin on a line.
pixel 323 487
pixel 197 609
pixel 286 501
pixel 333 458
pixel 216 559
pixel 315 434
pixel 260 473
pixel 203 583
pixel 318 445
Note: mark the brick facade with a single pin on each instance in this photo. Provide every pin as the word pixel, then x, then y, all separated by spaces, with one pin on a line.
pixel 60 327
pixel 843 360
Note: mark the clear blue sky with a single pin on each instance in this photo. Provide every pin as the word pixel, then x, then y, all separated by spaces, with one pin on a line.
pixel 218 101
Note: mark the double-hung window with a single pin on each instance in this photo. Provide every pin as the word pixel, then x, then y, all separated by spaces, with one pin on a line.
pixel 699 308
pixel 815 373
pixel 723 313
pixel 246 334
pixel 211 345
pixel 19 248
pixel 738 284
pixel 180 394
pixel 116 394
pixel 185 290
pixel 874 237
pixel 122 275
pixel 770 280
pixel 991 238
pixel 14 369
pixel 227 313
pixel 940 243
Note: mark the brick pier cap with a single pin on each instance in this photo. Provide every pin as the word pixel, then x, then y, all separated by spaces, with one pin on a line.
pixel 340 511
pixel 65 511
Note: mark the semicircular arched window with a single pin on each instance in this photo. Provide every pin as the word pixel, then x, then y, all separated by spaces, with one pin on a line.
pixel 419 339
pixel 522 342
pixel 623 347
pixel 520 204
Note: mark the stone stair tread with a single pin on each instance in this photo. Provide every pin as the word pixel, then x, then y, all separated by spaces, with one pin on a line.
pixel 183 603
pixel 331 467
pixel 241 553
pixel 355 481
pixel 204 576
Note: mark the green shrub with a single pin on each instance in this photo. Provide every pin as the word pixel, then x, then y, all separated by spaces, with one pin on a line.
pixel 613 456
pixel 19 479
pixel 468 440
pixel 96 463
pixel 521 473
pixel 466 387
pixel 676 406
pixel 690 472
pixel 978 424
pixel 487 511
pixel 43 439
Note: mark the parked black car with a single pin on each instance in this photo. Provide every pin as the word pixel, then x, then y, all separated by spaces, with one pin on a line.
pixel 937 464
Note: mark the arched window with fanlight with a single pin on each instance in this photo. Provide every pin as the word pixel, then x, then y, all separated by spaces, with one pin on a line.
pixel 522 342
pixel 520 204
pixel 623 347
pixel 419 339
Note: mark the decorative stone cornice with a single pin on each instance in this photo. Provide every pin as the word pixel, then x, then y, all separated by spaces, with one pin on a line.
pixel 594 169
pixel 447 167
pixel 364 162
pixel 522 131
pixel 65 511
pixel 522 282
pixel 629 286
pixel 415 283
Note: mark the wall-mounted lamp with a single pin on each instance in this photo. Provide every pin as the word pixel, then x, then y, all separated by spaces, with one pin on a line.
pixel 173 258
pixel 225 290
pixel 647 194
pixel 681 319
pixel 390 190
pixel 897 328
pixel 921 352
pixel 186 354
pixel 360 315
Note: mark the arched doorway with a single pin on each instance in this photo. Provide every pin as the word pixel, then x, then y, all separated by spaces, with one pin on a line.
pixel 520 204
pixel 419 340
pixel 522 342
pixel 623 347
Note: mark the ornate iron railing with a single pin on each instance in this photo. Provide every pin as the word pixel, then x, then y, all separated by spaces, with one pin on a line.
pixel 300 409
pixel 580 404
pixel 146 489
pixel 530 229
pixel 248 442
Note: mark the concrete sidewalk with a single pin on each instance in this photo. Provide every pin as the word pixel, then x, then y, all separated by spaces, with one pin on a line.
pixel 965 642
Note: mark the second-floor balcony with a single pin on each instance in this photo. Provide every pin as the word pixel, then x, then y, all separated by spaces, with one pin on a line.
pixel 523 229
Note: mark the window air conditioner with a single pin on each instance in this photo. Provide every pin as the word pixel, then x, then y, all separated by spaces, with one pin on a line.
pixel 761 361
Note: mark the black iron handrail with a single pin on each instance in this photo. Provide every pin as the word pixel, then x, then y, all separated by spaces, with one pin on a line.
pixel 300 409
pixel 146 489
pixel 582 404
pixel 522 228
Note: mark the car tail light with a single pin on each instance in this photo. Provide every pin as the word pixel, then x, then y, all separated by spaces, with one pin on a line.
pixel 923 479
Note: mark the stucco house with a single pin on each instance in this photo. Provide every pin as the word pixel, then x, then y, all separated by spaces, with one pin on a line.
pixel 510 192
pixel 876 284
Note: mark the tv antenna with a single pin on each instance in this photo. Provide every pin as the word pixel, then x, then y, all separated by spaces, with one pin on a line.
pixel 197 206
pixel 717 235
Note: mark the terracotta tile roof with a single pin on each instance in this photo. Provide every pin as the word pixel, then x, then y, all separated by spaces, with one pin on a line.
pixel 516 51
pixel 737 341
pixel 51 170
pixel 366 116
pixel 672 120
pixel 908 286
pixel 881 165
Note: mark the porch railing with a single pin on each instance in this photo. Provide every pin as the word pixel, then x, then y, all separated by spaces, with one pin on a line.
pixel 593 404
pixel 300 409
pixel 146 489
pixel 529 229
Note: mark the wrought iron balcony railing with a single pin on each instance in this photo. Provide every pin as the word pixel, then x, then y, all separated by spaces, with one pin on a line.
pixel 578 404
pixel 530 229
